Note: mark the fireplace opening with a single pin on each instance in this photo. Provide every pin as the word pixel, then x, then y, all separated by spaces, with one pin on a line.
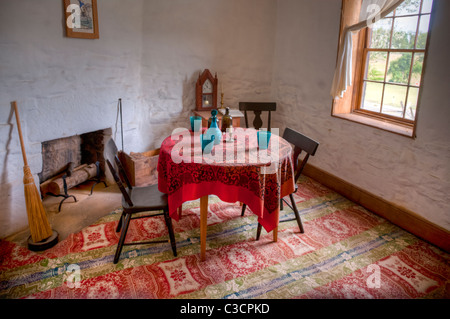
pixel 70 161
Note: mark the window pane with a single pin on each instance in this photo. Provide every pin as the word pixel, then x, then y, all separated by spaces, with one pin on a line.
pixel 417 69
pixel 408 7
pixel 376 66
pixel 404 33
pixel 381 34
pixel 426 6
pixel 372 93
pixel 423 32
pixel 398 68
pixel 394 100
pixel 411 106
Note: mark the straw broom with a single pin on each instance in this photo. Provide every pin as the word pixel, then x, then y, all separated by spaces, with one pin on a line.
pixel 37 218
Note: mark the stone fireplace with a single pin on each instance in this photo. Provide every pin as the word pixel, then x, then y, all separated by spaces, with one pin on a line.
pixel 62 155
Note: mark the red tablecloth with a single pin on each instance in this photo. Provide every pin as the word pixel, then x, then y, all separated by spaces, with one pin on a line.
pixel 234 171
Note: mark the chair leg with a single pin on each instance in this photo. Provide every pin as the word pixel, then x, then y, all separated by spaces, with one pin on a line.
pixel 297 215
pixel 258 232
pixel 180 210
pixel 244 207
pixel 119 225
pixel 122 238
pixel 171 233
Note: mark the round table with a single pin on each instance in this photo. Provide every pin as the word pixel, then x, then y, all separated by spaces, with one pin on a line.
pixel 235 170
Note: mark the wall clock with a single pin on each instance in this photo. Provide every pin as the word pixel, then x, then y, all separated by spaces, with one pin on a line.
pixel 206 91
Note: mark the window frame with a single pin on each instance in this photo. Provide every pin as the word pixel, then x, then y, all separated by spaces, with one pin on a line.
pixel 349 106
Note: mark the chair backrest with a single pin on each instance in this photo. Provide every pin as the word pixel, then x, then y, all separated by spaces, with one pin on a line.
pixel 119 182
pixel 301 143
pixel 110 151
pixel 257 108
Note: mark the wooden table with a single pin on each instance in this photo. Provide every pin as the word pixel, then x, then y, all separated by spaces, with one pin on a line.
pixel 259 182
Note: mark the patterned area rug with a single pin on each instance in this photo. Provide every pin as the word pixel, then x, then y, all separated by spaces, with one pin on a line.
pixel 345 252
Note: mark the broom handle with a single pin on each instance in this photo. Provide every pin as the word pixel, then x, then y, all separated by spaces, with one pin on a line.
pixel 20 133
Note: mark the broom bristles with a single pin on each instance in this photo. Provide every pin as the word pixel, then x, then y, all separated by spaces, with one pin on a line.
pixel 37 217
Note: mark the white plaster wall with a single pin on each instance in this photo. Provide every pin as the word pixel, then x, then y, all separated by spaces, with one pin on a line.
pixel 63 86
pixel 412 173
pixel 232 38
pixel 149 54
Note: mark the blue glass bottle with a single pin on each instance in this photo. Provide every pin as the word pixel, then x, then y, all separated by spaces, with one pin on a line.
pixel 214 129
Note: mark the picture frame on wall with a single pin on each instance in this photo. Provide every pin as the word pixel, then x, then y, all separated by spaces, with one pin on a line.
pixel 81 19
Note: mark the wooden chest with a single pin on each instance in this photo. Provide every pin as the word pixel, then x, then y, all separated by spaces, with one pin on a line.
pixel 141 168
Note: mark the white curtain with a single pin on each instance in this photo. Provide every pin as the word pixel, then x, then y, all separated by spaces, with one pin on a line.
pixel 371 11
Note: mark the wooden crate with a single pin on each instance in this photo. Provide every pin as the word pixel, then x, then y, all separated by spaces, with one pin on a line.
pixel 141 168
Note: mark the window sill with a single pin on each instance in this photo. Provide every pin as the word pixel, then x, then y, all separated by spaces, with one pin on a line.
pixel 378 123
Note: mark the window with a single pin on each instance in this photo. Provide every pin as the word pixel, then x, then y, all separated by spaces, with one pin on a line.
pixel 389 65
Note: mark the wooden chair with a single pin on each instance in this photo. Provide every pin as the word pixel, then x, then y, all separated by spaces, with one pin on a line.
pixel 136 200
pixel 301 144
pixel 257 108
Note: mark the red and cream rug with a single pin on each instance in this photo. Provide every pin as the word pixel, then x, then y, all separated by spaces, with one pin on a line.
pixel 345 252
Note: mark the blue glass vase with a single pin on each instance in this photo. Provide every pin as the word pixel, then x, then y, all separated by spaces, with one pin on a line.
pixel 214 129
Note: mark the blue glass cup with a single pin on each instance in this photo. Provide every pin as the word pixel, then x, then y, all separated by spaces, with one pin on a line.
pixel 207 143
pixel 263 139
pixel 196 123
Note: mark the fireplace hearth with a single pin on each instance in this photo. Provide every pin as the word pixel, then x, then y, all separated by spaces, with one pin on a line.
pixel 70 161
